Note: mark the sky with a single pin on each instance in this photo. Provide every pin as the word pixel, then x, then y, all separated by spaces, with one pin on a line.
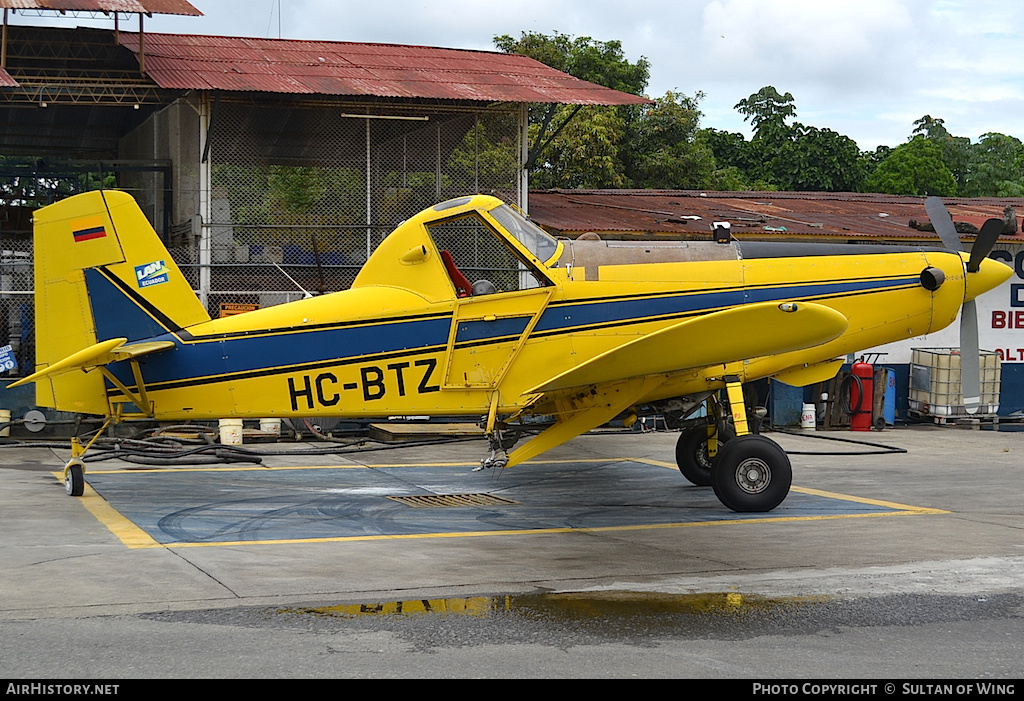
pixel 865 68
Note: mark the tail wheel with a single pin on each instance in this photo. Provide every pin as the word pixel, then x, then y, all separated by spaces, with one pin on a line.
pixel 74 479
pixel 751 474
pixel 692 453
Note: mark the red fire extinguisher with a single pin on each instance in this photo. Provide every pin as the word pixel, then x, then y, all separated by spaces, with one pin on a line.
pixel 862 387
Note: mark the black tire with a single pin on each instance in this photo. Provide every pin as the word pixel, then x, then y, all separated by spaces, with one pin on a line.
pixel 692 453
pixel 74 480
pixel 751 474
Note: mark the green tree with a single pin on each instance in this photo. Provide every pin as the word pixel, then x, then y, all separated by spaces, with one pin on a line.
pixel 956 150
pixel 601 62
pixel 809 158
pixel 735 161
pixel 766 107
pixel 585 153
pixel 662 149
pixel 994 167
pixel 913 168
pixel 788 156
pixel 590 136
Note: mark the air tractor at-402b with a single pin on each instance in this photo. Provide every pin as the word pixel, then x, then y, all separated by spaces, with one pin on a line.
pixel 470 309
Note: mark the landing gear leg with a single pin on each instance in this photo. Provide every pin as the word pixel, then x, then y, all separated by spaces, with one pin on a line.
pixel 74 470
pixel 498 456
pixel 500 441
pixel 752 473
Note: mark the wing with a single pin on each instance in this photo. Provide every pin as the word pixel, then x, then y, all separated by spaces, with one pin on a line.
pixel 621 376
pixel 734 334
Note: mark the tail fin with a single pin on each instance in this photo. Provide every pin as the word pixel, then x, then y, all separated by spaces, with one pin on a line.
pixel 101 272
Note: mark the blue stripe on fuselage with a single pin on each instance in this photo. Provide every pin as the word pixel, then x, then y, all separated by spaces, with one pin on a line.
pixel 288 350
pixel 481 331
pixel 561 316
pixel 231 356
pixel 827 289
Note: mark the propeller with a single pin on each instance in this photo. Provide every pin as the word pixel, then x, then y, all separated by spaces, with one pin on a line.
pixel 970 356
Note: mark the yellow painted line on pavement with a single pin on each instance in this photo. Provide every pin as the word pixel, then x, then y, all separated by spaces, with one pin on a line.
pixel 823 493
pixel 125 530
pixel 872 502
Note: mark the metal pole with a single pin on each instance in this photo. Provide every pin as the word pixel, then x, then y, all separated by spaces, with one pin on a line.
pixel 3 48
pixel 142 45
pixel 369 192
pixel 369 220
pixel 524 155
pixel 205 204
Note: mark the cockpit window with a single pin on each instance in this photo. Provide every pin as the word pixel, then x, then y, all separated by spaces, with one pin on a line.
pixel 536 240
pixel 485 263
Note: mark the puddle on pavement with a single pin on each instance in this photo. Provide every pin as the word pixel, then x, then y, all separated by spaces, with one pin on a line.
pixel 575 606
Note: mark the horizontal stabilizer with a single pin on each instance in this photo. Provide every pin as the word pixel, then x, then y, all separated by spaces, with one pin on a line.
pixel 739 333
pixel 110 351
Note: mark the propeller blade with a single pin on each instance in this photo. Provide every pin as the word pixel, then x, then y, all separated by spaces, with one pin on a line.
pixel 943 223
pixel 970 357
pixel 983 243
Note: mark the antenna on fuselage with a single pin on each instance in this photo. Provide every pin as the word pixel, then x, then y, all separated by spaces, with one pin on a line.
pixel 306 294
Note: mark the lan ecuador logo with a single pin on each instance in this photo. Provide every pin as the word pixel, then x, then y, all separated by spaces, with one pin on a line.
pixel 151 274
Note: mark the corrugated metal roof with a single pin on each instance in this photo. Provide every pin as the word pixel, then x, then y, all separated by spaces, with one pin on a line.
pixel 189 62
pixel 791 215
pixel 159 7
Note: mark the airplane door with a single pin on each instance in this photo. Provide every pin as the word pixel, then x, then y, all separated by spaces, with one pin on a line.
pixel 487 333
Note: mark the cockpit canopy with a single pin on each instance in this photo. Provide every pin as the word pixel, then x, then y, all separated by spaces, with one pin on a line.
pixel 464 247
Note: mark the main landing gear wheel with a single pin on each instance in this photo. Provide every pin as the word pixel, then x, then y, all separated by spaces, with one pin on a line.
pixel 74 479
pixel 751 473
pixel 692 453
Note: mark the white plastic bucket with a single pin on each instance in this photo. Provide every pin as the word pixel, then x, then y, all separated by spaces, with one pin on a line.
pixel 271 426
pixel 807 417
pixel 230 431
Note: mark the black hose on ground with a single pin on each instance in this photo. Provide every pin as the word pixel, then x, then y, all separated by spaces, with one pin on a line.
pixel 883 449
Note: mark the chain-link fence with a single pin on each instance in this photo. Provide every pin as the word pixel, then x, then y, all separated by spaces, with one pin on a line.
pixel 300 193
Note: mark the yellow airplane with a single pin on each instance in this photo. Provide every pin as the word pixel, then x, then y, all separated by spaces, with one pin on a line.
pixel 470 309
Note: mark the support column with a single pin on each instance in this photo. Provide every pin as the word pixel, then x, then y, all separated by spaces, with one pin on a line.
pixel 524 155
pixel 205 202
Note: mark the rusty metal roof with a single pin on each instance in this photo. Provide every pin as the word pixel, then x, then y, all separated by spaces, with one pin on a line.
pixel 189 62
pixel 158 7
pixel 689 214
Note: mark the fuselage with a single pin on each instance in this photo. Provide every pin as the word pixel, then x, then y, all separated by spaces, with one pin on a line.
pixel 401 341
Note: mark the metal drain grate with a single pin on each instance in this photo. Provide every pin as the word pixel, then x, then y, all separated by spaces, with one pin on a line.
pixel 443 500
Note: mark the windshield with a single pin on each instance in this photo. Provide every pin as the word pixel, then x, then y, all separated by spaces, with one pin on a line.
pixel 536 240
